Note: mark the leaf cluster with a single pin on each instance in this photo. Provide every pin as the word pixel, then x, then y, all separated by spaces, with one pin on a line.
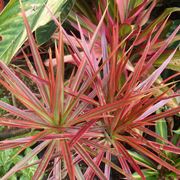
pixel 103 113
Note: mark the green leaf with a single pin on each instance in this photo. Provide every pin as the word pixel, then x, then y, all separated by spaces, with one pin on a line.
pixel 142 159
pixel 177 131
pixel 12 30
pixel 149 175
pixel 28 172
pixel 171 175
pixel 44 33
pixel 125 30
pixel 161 129
pixel 177 163
pixel 174 63
pixel 175 137
pixel 169 28
pixel 135 3
pixel 6 162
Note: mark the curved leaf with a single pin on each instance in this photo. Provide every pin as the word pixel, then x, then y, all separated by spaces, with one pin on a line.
pixel 174 64
pixel 44 33
pixel 149 174
pixel 12 30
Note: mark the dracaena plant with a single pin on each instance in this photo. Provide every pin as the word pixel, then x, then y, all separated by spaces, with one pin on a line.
pixel 126 26
pixel 122 47
pixel 97 115
pixel 130 24
pixel 52 113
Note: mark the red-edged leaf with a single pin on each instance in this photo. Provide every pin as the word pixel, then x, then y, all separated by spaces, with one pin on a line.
pixel 14 80
pixel 40 84
pixel 153 134
pixel 106 108
pixel 151 155
pixel 37 59
pixel 107 168
pixel 145 16
pixel 21 123
pixel 89 174
pixel 146 84
pixel 124 165
pixel 88 160
pixel 58 100
pixel 44 161
pixel 81 132
pixel 77 80
pixel 82 97
pixel 121 9
pixel 68 159
pixel 97 145
pixel 97 28
pixel 127 157
pixel 160 51
pixel 167 113
pixel 153 109
pixel 109 163
pixel 36 56
pixel 19 113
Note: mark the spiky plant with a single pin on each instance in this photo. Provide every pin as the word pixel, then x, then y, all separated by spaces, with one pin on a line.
pixel 121 49
pixel 104 109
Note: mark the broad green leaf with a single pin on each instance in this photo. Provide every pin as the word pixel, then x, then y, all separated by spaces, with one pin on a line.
pixel 12 29
pixel 142 159
pixel 25 160
pixel 44 33
pixel 149 175
pixel 176 137
pixel 161 129
pixel 177 131
pixel 29 172
pixel 174 64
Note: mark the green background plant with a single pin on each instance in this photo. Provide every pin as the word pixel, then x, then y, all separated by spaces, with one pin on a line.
pixel 7 162
pixel 12 30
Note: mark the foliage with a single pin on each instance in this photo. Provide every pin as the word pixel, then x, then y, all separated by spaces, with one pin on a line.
pixel 173 65
pixel 103 115
pixel 12 31
pixel 7 161
pixel 132 19
pixel 163 130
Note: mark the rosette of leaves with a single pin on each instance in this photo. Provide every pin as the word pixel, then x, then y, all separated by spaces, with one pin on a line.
pixel 106 107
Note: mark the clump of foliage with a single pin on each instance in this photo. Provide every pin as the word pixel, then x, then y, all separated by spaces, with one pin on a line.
pixel 103 115
pixel 6 163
